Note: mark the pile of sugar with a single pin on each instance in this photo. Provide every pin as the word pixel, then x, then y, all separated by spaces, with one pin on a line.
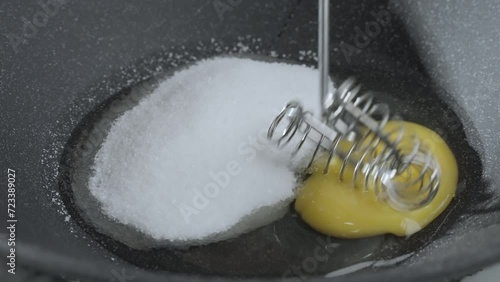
pixel 191 163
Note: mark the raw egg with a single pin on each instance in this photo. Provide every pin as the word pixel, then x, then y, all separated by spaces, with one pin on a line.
pixel 335 207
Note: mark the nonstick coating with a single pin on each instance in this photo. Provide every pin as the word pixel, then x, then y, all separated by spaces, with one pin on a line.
pixel 90 50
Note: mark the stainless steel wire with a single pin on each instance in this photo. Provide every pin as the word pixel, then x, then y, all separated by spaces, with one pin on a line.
pixel 323 50
pixel 353 128
pixel 392 162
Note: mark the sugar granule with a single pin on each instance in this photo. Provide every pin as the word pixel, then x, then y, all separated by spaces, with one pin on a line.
pixel 191 163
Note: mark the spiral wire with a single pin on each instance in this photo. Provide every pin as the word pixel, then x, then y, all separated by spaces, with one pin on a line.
pixel 379 157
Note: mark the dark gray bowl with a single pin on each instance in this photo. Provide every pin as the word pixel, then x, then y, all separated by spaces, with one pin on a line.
pixel 63 66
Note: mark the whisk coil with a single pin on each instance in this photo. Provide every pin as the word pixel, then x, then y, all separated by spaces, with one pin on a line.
pixel 379 158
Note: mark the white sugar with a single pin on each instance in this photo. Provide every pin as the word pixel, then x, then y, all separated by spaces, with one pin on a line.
pixel 191 163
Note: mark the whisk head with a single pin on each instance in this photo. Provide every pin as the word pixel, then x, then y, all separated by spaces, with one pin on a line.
pixel 392 162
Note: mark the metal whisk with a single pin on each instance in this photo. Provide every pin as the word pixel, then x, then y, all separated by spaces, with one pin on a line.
pixel 397 166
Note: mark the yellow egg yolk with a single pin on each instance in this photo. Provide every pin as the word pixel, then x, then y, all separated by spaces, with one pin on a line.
pixel 334 207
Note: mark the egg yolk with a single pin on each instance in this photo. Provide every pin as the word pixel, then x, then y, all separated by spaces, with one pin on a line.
pixel 336 208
